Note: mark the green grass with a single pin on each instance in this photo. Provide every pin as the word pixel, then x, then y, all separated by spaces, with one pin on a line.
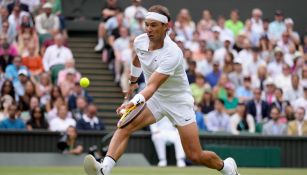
pixel 145 171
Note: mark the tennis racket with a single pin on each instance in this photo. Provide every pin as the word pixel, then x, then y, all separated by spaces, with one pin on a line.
pixel 131 114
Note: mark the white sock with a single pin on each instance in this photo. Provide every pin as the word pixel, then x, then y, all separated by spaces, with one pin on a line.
pixel 226 168
pixel 107 164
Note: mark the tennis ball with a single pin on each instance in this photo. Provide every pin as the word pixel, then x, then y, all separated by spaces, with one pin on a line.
pixel 84 82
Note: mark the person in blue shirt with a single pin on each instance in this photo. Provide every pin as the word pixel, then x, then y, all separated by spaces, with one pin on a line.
pixel 12 122
pixel 213 77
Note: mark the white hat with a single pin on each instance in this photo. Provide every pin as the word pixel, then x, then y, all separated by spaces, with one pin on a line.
pixel 47 5
pixel 23 72
pixel 216 29
pixel 269 81
pixel 289 21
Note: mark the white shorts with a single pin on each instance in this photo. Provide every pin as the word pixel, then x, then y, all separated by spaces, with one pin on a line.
pixel 178 114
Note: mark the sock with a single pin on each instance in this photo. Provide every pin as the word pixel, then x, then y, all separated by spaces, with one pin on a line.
pixel 107 164
pixel 226 168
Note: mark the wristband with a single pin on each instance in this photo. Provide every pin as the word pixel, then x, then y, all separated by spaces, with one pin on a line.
pixel 138 99
pixel 133 82
pixel 135 71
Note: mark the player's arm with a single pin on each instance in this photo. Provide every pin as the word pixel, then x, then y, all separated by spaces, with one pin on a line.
pixel 135 69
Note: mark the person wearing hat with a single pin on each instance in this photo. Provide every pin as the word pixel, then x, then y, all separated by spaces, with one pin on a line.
pixel 236 77
pixel 269 93
pixel 46 23
pixel 277 27
pixel 216 41
pixel 256 20
pixel 275 67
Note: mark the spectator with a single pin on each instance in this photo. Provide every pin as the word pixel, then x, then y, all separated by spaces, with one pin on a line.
pixel 242 121
pixel 207 102
pixel 73 145
pixel 163 132
pixel 69 65
pixel 269 93
pixel 55 93
pixel 80 108
pixel 78 91
pixel 12 71
pixel 55 57
pixel 231 101
pixel 259 79
pixel 236 77
pixel 200 119
pixel 213 77
pixel 12 121
pixel 228 66
pixel 302 101
pixel 33 61
pixel 234 23
pixel 216 42
pixel 205 25
pixel 258 108
pixel 137 25
pixel 277 27
pixel 191 72
pixel 16 16
pixel 62 121
pixel 244 93
pixel 89 120
pixel 23 7
pixel 273 126
pixel 5 102
pixel 279 102
pixel 218 120
pixel 27 37
pixel 133 9
pixel 256 61
pixel 43 88
pixel 46 23
pixel 205 66
pixel 296 90
pixel 7 48
pixel 219 54
pixel 8 89
pixel 225 32
pixel 298 127
pixel 198 88
pixel 184 25
pixel 24 100
pixel 37 120
pixel 257 24
pixel 219 91
pixel 68 84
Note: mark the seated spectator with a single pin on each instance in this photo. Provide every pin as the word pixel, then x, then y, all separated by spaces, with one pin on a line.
pixel 279 102
pixel 16 15
pixel 236 77
pixel 55 57
pixel 244 93
pixel 207 103
pixel 24 100
pixel 62 121
pixel 53 113
pixel 68 85
pixel 8 89
pixel 12 70
pixel 81 108
pixel 23 7
pixel 200 119
pixel 296 89
pixel 46 23
pixel 302 101
pixel 258 108
pixel 78 91
pixel 33 61
pixel 230 102
pixel 7 57
pixel 37 120
pixel 269 91
pixel 241 121
pixel 26 37
pixel 5 102
pixel 298 127
pixel 162 133
pixel 12 121
pixel 55 93
pixel 9 31
pixel 43 88
pixel 219 91
pixel 198 88
pixel 89 120
pixel 218 120
pixel 26 115
pixel 69 65
pixel 191 72
pixel 213 77
pixel 273 126
pixel 74 146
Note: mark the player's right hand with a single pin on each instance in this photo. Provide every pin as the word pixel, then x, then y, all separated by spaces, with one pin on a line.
pixel 124 106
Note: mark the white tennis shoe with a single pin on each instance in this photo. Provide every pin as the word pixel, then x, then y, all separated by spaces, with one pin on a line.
pixel 92 167
pixel 234 168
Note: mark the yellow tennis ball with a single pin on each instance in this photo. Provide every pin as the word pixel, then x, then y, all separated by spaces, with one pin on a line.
pixel 84 82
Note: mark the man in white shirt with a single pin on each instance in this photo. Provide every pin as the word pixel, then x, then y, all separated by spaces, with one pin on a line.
pixel 167 94
pixel 296 90
pixel 302 101
pixel 257 24
pixel 62 121
pixel 46 23
pixel 136 6
pixel 56 56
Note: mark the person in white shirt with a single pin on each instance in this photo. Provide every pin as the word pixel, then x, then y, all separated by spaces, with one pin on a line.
pixel 302 101
pixel 56 56
pixel 131 10
pixel 167 93
pixel 46 23
pixel 296 90
pixel 275 67
pixel 257 24
pixel 218 120
pixel 163 132
pixel 62 122
pixel 283 80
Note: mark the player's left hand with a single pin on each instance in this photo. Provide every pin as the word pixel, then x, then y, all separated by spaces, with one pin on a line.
pixel 125 106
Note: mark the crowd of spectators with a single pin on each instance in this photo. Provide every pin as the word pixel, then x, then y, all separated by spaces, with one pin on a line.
pixel 246 75
pixel 38 79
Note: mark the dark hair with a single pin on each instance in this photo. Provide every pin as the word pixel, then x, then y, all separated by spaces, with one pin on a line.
pixel 162 10
pixel 12 91
pixel 245 110
pixel 220 100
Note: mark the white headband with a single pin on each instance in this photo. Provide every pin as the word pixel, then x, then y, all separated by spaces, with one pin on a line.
pixel 157 17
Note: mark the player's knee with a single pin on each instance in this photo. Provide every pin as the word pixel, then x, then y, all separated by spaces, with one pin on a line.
pixel 125 131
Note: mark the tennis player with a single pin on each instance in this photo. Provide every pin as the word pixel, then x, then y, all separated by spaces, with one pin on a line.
pixel 167 93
